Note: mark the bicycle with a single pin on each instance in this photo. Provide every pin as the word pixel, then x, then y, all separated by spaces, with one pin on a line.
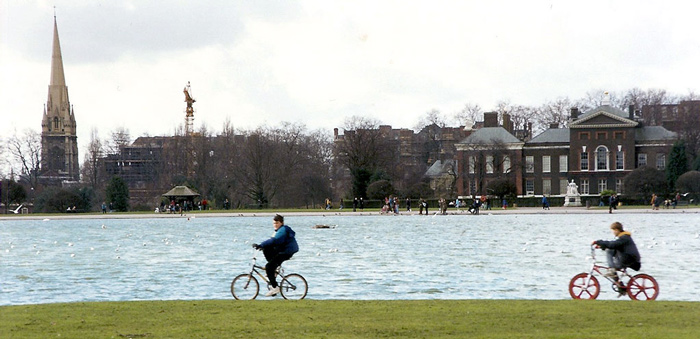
pixel 639 287
pixel 246 287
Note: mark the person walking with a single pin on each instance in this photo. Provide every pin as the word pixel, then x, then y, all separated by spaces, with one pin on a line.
pixel 613 203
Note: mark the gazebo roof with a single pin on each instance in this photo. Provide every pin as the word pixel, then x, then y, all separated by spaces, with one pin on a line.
pixel 181 191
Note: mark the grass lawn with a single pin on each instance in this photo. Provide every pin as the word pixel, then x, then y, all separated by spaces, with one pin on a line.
pixel 354 319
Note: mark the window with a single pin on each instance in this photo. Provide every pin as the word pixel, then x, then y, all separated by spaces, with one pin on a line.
pixel 620 160
pixel 506 164
pixel 661 161
pixel 619 135
pixel 546 164
pixel 489 164
pixel 602 185
pixel 563 184
pixel 472 187
pixel 529 187
pixel 584 135
pixel 601 157
pixel 530 164
pixel 563 163
pixel 472 164
pixel 584 161
pixel 546 186
pixel 641 159
pixel 585 189
pixel 55 123
pixel 618 185
pixel 601 135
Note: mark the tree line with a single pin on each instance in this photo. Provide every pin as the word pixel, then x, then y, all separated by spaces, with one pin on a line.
pixel 289 165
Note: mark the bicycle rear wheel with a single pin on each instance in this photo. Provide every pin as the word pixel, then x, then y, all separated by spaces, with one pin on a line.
pixel 245 287
pixel 578 289
pixel 642 287
pixel 294 287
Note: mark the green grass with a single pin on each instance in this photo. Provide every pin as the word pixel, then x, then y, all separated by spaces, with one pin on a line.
pixel 353 319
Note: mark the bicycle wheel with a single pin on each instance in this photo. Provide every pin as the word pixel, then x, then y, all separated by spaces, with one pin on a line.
pixel 642 287
pixel 293 286
pixel 245 287
pixel 578 289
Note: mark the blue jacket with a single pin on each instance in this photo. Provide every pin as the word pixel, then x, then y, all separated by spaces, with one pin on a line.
pixel 283 242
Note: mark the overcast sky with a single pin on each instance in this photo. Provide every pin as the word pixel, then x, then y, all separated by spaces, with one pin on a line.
pixel 319 62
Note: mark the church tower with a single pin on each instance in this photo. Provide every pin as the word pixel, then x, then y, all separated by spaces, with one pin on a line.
pixel 59 141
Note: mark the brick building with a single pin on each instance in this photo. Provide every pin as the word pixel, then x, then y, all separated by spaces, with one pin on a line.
pixel 598 149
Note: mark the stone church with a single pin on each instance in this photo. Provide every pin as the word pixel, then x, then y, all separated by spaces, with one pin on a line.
pixel 59 141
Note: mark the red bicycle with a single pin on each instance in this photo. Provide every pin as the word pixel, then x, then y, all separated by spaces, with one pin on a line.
pixel 586 286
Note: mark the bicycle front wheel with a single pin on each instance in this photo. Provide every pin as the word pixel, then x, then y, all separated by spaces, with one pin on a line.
pixel 245 287
pixel 294 287
pixel 580 287
pixel 642 287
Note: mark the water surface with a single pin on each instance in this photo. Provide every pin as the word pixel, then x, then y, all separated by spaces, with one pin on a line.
pixel 361 257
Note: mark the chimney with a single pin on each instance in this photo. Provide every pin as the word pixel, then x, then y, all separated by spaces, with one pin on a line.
pixel 490 119
pixel 630 109
pixel 574 113
pixel 335 133
pixel 507 123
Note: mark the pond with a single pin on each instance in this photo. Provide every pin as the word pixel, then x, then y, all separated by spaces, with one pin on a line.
pixel 360 257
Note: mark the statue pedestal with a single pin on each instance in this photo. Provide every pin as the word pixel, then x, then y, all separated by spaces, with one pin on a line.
pixel 572 201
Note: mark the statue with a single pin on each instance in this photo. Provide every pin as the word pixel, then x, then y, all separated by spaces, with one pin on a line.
pixel 573 198
pixel 573 188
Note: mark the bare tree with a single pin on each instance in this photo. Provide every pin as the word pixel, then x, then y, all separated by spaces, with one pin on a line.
pixel 4 161
pixel 433 116
pixel 119 137
pixel 469 114
pixel 596 98
pixel 639 98
pixel 553 112
pixel 91 165
pixel 258 173
pixel 26 150
pixel 521 116
pixel 363 151
pixel 691 95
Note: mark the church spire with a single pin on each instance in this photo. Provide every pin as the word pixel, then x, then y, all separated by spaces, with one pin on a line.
pixel 57 76
pixel 59 146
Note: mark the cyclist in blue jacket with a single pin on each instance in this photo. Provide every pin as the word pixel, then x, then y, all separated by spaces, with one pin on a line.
pixel 279 248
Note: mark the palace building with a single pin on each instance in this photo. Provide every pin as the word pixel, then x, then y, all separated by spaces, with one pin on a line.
pixel 597 150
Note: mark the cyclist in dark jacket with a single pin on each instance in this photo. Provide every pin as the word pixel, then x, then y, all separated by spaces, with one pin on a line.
pixel 279 248
pixel 621 252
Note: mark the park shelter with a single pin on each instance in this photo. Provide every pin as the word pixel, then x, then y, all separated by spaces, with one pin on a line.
pixel 180 194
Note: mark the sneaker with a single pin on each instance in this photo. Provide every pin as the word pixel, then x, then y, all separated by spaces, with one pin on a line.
pixel 611 273
pixel 622 291
pixel 273 292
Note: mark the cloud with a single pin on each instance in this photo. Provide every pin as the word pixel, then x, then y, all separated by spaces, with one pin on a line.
pixel 318 62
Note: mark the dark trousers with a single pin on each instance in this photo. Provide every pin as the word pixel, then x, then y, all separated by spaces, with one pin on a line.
pixel 274 260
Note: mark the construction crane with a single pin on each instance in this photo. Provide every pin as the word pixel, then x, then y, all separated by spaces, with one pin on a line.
pixel 189 112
